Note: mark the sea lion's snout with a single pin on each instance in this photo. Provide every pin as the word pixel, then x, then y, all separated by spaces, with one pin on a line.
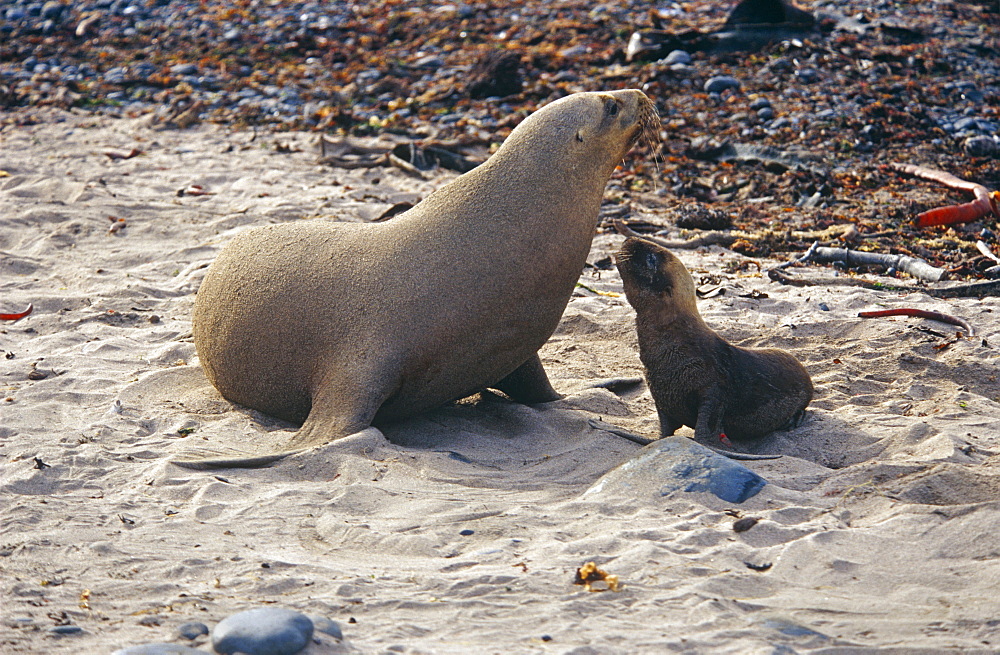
pixel 631 111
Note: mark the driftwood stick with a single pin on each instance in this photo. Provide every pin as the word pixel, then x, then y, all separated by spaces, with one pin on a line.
pixel 778 276
pixel 804 258
pixel 846 232
pixel 917 268
pixel 970 290
pixel 921 313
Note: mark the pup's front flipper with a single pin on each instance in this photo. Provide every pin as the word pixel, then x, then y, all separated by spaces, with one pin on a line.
pixel 711 411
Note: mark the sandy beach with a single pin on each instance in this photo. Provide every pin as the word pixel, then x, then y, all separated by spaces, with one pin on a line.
pixel 463 531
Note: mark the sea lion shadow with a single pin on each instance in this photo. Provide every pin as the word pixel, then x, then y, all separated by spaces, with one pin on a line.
pixel 821 438
pixel 489 441
pixel 485 440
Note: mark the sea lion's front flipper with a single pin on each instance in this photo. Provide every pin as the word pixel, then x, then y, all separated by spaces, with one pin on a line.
pixel 528 384
pixel 711 412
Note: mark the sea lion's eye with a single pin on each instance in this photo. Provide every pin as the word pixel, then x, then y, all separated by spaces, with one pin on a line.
pixel 652 261
pixel 612 108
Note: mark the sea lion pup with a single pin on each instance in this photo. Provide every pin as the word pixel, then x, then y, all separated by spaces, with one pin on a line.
pixel 339 326
pixel 695 377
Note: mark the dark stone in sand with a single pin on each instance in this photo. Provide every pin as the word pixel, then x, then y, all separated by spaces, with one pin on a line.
pixel 720 83
pixel 192 630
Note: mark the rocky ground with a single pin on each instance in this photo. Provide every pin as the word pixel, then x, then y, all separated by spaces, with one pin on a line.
pixel 866 84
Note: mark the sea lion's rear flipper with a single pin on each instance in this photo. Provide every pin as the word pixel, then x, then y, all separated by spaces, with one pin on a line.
pixel 363 442
pixel 207 460
pixel 528 384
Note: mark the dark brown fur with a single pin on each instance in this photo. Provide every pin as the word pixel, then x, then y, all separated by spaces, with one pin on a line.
pixel 697 378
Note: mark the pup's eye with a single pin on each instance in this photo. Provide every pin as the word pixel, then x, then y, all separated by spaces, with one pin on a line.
pixel 612 108
pixel 652 261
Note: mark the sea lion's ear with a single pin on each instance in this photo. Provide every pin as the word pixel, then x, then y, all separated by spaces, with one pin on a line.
pixel 579 136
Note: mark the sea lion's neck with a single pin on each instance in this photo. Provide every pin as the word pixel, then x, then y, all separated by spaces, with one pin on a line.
pixel 516 198
pixel 666 317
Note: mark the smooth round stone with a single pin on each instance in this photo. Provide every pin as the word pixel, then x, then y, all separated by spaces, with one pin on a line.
pixel 159 649
pixel 192 630
pixel 263 631
pixel 64 630
pixel 982 146
pixel 765 113
pixel 184 69
pixel 326 626
pixel 720 83
pixel 677 57
pixel 807 75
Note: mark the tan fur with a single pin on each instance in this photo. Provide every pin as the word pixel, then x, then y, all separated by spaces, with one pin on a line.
pixel 342 325
pixel 695 377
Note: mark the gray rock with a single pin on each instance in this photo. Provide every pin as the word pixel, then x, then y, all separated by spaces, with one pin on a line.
pixel 982 146
pixel 807 75
pixel 263 631
pixel 677 57
pixel 65 630
pixel 720 83
pixel 184 69
pixel 192 630
pixel 679 464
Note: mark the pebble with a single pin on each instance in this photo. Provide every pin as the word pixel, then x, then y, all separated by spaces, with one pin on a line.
pixel 263 631
pixel 159 649
pixel 721 83
pixel 192 630
pixel 65 630
pixel 677 57
pixel 982 146
pixel 807 75
pixel 184 69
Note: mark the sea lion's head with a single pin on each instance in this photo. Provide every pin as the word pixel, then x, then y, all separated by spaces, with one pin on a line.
pixel 585 130
pixel 616 119
pixel 655 280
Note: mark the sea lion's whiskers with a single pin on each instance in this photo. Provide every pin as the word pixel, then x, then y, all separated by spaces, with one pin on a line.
pixel 649 124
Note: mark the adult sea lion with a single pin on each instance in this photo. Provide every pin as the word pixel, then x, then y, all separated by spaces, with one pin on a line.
pixel 695 377
pixel 339 326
